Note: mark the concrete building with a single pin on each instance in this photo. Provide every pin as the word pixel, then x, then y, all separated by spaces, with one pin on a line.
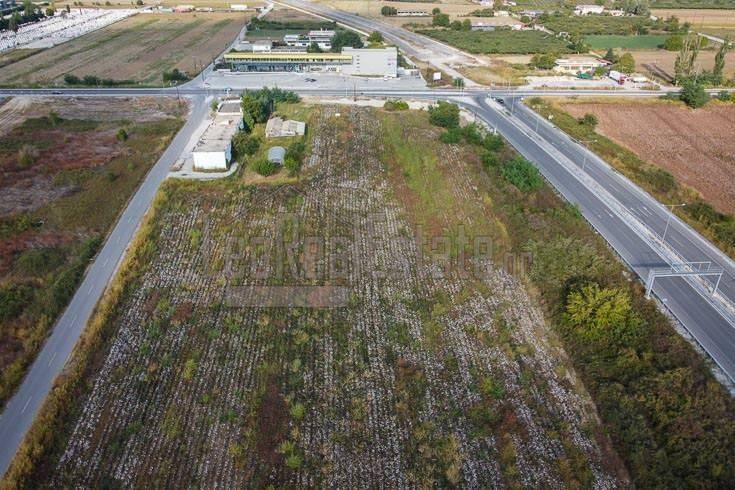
pixel 323 39
pixel 183 8
pixel 589 9
pixel 579 65
pixel 277 155
pixel 276 127
pixel 238 7
pixel 213 151
pixel 380 62
pixel 412 13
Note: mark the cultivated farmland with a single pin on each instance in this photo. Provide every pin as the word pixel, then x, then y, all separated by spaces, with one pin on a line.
pixel 697 147
pixel 502 41
pixel 138 49
pixel 419 377
pixel 66 174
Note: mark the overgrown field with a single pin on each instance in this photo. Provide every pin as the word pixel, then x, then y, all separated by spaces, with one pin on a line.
pixel 66 176
pixel 137 50
pixel 501 41
pixel 677 154
pixel 419 376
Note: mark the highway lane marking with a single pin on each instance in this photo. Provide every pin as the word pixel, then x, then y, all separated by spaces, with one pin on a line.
pixel 26 405
pixel 107 261
pixel 52 359
pixel 90 290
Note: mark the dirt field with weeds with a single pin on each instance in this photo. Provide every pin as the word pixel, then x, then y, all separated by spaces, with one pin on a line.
pixel 417 376
pixel 696 146
pixel 139 49
pixel 66 173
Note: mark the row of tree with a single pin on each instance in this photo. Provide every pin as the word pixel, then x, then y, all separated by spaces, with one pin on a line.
pixel 28 14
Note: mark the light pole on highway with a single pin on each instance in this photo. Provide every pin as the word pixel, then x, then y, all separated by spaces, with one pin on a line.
pixel 584 160
pixel 668 217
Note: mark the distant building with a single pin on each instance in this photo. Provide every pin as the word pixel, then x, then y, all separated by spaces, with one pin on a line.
pixel 589 9
pixel 412 13
pixel 238 7
pixel 322 38
pixel 578 65
pixel 276 155
pixel 183 8
pixel 213 151
pixel 616 13
pixel 381 62
pixel 482 27
pixel 276 127
pixel 502 13
pixel 531 13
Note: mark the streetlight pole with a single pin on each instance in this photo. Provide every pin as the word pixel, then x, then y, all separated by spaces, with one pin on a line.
pixel 668 217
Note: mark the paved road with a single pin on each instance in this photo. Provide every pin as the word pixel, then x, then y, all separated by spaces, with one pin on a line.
pixel 22 407
pixel 616 208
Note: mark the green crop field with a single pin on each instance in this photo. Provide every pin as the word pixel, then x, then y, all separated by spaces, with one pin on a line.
pixel 500 41
pixel 648 41
pixel 595 24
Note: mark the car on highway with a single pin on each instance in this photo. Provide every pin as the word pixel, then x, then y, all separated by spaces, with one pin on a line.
pixel 310 80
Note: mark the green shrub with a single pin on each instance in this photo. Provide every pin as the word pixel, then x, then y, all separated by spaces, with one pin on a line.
pixel 451 136
pixel 492 142
pixel 522 174
pixel 264 167
pixel 693 94
pixel 245 144
pixel 37 262
pixel 13 300
pixel 395 105
pixel 293 167
pixel 500 41
pixel 121 135
pixel 489 159
pixel 444 114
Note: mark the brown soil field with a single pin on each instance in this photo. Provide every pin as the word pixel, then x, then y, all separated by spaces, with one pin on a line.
pixel 696 146
pixel 369 8
pixel 665 60
pixel 700 17
pixel 139 48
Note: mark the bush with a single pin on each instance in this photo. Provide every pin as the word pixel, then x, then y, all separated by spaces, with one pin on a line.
pixel 440 20
pixel 388 11
pixel 589 120
pixel 375 37
pixel 121 135
pixel 293 167
pixel 70 79
pixel 725 96
pixel 245 144
pixel 345 38
pixel 673 43
pixel 489 159
pixel 693 94
pixel 544 61
pixel 492 142
pixel 13 299
pixel 522 174
pixel 395 105
pixel 175 75
pixel 444 114
pixel 451 136
pixel 264 167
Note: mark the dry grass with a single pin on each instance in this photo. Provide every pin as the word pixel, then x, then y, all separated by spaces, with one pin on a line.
pixel 665 60
pixel 370 8
pixel 700 18
pixel 139 48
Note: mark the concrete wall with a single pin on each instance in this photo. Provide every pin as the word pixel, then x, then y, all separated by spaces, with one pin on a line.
pixel 372 62
pixel 210 160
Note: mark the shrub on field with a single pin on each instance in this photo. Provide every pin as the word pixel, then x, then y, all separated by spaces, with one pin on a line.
pixel 544 61
pixel 37 262
pixel 175 75
pixel 258 105
pixel 693 94
pixel 346 38
pixel 70 79
pixel 673 43
pixel 451 136
pixel 13 299
pixel 444 114
pixel 395 105
pixel 490 159
pixel 440 20
pixel 725 96
pixel 121 135
pixel 522 174
pixel 264 167
pixel 492 142
pixel 626 64
pixel 660 179
pixel 589 120
pixel 388 11
pixel 26 156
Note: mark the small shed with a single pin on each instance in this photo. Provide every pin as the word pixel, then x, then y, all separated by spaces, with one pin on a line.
pixel 277 154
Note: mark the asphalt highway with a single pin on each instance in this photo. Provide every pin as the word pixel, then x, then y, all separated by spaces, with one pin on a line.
pixel 23 406
pixel 600 193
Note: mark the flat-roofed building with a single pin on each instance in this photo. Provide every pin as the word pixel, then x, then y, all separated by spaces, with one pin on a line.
pixel 277 127
pixel 589 9
pixel 280 62
pixel 213 152
pixel 380 62
pixel 323 39
pixel 579 65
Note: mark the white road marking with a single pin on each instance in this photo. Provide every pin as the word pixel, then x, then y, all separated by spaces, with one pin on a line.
pixel 52 359
pixel 26 405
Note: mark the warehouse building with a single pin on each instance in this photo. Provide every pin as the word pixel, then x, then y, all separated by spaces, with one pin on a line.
pixel 323 39
pixel 362 62
pixel 213 152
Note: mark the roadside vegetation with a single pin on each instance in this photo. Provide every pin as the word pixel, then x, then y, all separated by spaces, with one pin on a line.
pixel 64 182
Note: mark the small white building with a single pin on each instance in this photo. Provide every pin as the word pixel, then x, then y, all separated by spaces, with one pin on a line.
pixel 589 9
pixel 412 13
pixel 502 13
pixel 578 65
pixel 213 152
pixel 380 62
pixel 616 13
pixel 276 127
pixel 238 7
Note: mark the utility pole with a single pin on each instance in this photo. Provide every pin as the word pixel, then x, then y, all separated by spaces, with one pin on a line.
pixel 668 217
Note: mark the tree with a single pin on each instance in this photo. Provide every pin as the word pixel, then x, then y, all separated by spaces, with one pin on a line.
pixel 456 25
pixel 313 47
pixel 436 10
pixel 138 2
pixel 602 313
pixel 245 144
pixel 345 38
pixel 375 37
pixel 578 44
pixel 544 61
pixel 214 105
pixel 444 114
pixel 724 96
pixel 720 62
pixel 440 20
pixel 458 83
pixel 522 174
pixel 293 167
pixel 388 11
pixel 467 25
pixel 626 63
pixel 693 94
pixel 687 57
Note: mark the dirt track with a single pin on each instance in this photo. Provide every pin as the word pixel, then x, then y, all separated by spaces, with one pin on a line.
pixel 697 147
